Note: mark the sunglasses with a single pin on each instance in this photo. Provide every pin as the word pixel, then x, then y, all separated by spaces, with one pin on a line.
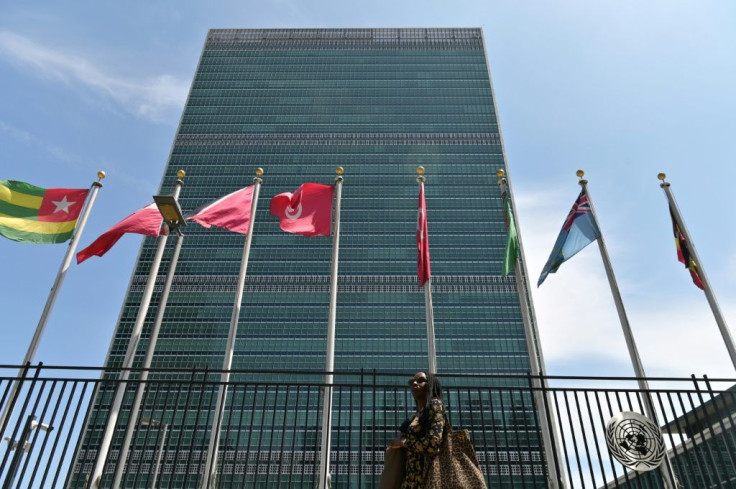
pixel 420 380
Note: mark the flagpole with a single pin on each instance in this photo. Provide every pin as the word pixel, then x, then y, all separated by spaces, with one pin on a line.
pixel 54 292
pixel 667 471
pixel 135 336
pixel 535 365
pixel 722 326
pixel 324 467
pixel 210 468
pixel 429 310
pixel 133 418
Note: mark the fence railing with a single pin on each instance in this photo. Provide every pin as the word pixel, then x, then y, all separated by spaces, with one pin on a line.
pixel 271 428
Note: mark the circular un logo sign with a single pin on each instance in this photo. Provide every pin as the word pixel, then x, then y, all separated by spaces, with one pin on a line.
pixel 635 441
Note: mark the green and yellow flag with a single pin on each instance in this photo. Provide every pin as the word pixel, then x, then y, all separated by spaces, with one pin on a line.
pixel 33 214
pixel 512 241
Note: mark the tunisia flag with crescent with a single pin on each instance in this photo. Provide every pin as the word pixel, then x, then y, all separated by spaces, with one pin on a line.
pixel 308 211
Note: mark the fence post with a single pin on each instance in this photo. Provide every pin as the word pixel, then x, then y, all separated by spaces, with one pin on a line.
pixel 360 429
pixel 19 449
pixel 14 394
pixel 25 405
pixel 554 476
pixel 709 425
pixel 373 417
pixel 721 416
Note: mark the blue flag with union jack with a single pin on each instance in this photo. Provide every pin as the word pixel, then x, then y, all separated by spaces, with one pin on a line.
pixel 579 230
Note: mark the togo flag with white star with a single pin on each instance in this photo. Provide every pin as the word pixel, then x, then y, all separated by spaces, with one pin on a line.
pixel 33 214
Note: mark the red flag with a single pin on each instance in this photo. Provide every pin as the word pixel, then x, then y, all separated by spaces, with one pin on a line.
pixel 146 221
pixel 231 212
pixel 423 267
pixel 308 211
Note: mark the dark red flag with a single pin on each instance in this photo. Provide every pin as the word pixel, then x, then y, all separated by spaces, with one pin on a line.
pixel 231 212
pixel 423 266
pixel 308 211
pixel 683 253
pixel 146 221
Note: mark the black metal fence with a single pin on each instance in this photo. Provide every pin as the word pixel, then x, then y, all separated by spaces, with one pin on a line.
pixel 271 428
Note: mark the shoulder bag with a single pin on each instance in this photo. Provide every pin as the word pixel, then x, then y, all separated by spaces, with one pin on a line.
pixel 456 465
pixel 392 476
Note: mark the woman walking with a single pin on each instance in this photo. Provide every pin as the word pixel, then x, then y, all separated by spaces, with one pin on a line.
pixel 421 434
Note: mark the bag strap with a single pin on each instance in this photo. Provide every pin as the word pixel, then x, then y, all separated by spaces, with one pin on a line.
pixel 448 425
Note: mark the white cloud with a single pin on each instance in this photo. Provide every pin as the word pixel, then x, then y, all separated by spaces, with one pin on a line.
pixel 73 160
pixel 29 139
pixel 159 98
pixel 576 314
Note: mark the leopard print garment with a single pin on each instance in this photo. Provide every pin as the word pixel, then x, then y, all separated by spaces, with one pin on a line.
pixel 456 466
pixel 421 443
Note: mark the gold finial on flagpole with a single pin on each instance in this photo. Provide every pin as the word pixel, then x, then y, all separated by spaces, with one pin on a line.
pixel 662 176
pixel 100 175
pixel 580 174
pixel 339 171
pixel 500 173
pixel 259 174
pixel 180 177
pixel 420 172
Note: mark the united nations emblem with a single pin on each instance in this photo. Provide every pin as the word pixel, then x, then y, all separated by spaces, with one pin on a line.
pixel 635 441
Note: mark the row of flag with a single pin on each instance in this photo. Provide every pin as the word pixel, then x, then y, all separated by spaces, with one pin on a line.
pixel 36 215
pixel 308 211
pixel 580 229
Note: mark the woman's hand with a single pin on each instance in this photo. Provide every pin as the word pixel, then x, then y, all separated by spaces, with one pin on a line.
pixel 397 443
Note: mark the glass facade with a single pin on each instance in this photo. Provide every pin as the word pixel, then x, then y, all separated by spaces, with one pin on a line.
pixel 299 103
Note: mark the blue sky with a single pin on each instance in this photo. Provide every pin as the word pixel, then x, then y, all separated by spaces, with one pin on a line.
pixel 621 89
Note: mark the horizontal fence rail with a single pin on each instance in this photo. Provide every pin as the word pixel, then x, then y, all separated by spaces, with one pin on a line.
pixel 271 428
